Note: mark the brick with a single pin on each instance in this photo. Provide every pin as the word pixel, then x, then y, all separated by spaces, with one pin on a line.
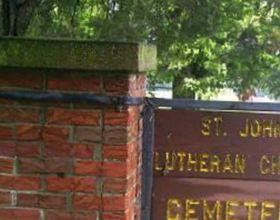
pixel 27 183
pixel 73 117
pixel 52 202
pixel 27 149
pixel 88 168
pixel 140 86
pixel 56 149
pixel 115 152
pixel 7 102
pixel 137 211
pixel 31 166
pixel 115 135
pixel 19 182
pixel 6 182
pixel 83 150
pixel 114 216
pixel 59 134
pixel 7 148
pixel 132 164
pixel 123 118
pixel 5 198
pixel 116 118
pixel 6 165
pixel 74 82
pixel 115 185
pixel 59 215
pixel 41 201
pixel 84 184
pixel 74 184
pixel 8 114
pixel 86 202
pixel 6 132
pixel 132 85
pixel 133 131
pixel 113 203
pixel 45 166
pixel 27 200
pixel 59 165
pixel 133 148
pixel 19 214
pixel 87 134
pixel 137 85
pixel 28 132
pixel 116 86
pixel 111 169
pixel 59 184
pixel 131 195
pixel 22 79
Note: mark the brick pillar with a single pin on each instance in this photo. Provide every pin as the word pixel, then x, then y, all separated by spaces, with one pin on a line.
pixel 63 160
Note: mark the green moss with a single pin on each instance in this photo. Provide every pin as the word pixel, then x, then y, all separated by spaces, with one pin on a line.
pixel 76 55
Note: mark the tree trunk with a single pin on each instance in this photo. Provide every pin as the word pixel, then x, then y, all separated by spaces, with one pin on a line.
pixel 16 16
pixel 178 88
pixel 1 17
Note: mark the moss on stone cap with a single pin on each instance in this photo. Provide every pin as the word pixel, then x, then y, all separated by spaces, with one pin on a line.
pixel 76 55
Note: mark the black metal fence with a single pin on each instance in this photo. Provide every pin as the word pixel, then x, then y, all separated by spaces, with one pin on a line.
pixel 150 104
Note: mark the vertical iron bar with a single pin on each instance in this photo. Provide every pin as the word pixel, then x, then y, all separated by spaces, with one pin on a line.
pixel 147 159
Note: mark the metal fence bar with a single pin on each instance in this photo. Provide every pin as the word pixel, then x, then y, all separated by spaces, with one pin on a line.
pixel 215 105
pixel 126 100
pixel 71 97
pixel 148 133
pixel 147 158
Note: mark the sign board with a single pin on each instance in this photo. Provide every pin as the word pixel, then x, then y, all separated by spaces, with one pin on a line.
pixel 213 165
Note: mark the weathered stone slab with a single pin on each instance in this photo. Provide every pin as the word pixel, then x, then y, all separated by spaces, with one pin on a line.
pixel 76 55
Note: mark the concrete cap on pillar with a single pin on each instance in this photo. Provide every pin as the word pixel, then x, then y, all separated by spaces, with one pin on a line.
pixel 76 55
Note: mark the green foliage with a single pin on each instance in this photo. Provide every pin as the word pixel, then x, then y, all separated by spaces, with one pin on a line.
pixel 204 45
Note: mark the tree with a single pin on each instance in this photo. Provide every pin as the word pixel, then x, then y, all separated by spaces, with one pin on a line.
pixel 16 16
pixel 203 45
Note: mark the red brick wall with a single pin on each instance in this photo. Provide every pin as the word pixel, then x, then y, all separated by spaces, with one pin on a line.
pixel 70 160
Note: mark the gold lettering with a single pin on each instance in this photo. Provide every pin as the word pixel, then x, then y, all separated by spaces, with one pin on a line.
pixel 213 213
pixel 228 167
pixel 158 167
pixel 215 163
pixel 266 210
pixel 218 121
pixel 213 210
pixel 190 209
pixel 256 128
pixel 245 133
pixel 206 122
pixel 173 209
pixel 275 165
pixel 181 156
pixel 170 159
pixel 263 165
pixel 276 130
pixel 240 163
pixel 250 209
pixel 230 213
pixel 192 162
pixel 278 165
pixel 203 163
pixel 267 128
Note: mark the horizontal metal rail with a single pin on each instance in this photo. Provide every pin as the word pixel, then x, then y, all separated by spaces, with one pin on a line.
pixel 71 97
pixel 127 100
pixel 215 105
